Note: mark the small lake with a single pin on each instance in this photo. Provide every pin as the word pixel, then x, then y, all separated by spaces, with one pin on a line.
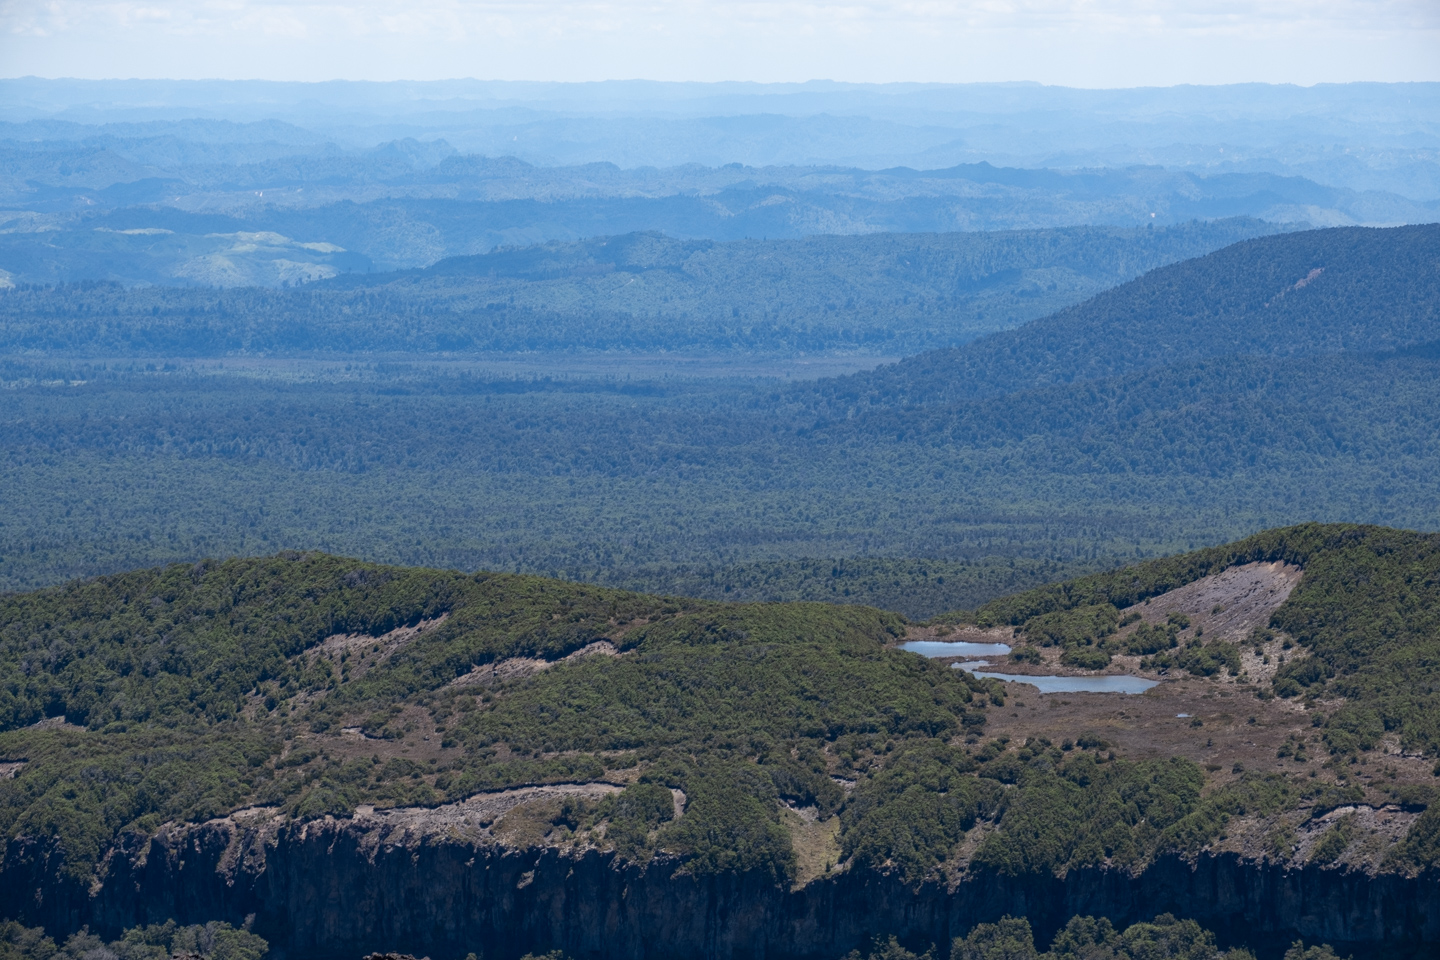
pixel 958 648
pixel 1112 684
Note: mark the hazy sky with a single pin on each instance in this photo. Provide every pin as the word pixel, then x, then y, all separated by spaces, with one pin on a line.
pixel 1095 43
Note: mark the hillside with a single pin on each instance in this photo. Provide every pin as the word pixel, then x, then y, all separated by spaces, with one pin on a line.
pixel 1317 291
pixel 879 294
pixel 791 744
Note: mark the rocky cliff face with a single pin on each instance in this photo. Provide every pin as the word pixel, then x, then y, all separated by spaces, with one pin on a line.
pixel 405 880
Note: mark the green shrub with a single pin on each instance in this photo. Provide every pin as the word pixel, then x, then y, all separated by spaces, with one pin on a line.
pixel 729 828
pixel 18 942
pixel 212 941
pixel 888 949
pixel 1169 938
pixel 1334 843
pixel 633 813
pixel 1091 938
pixel 1286 687
pixel 910 816
pixel 1421 847
pixel 1146 639
pixel 1353 728
pixel 1009 939
pixel 1085 658
pixel 1081 625
pixel 1076 811
pixel 1298 951
pixel 1210 659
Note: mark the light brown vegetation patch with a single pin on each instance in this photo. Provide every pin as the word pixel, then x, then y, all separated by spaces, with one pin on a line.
pixel 475 816
pixel 515 667
pixel 816 843
pixel 1371 832
pixel 371 650
pixel 964 633
pixel 55 723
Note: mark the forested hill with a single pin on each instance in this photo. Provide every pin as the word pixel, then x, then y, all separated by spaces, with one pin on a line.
pixel 877 294
pixel 321 686
pixel 1317 291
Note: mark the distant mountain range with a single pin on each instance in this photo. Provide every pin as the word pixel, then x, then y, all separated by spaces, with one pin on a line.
pixel 82 219
pixel 1359 136
pixel 236 184
pixel 877 294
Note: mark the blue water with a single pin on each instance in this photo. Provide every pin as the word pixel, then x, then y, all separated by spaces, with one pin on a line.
pixel 959 648
pixel 1113 684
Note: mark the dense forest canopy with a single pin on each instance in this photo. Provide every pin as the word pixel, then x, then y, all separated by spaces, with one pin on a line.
pixel 688 485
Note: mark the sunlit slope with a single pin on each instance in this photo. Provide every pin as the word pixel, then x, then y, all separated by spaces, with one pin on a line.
pixel 1318 291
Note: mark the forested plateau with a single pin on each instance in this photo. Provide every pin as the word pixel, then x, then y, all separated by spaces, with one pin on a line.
pixel 689 487
pixel 369 757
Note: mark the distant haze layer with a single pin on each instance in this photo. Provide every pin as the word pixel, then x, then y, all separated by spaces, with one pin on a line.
pixel 1362 136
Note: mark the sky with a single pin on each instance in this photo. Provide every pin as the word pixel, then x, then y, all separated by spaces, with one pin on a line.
pixel 1083 43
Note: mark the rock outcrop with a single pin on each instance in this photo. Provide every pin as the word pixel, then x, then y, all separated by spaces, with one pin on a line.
pixel 437 883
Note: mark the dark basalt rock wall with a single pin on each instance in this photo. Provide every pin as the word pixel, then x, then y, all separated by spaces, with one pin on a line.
pixel 334 889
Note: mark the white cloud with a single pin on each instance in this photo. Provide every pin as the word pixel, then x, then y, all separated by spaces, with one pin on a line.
pixel 1082 42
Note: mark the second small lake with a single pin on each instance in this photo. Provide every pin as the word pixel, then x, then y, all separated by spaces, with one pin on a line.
pixel 1104 684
